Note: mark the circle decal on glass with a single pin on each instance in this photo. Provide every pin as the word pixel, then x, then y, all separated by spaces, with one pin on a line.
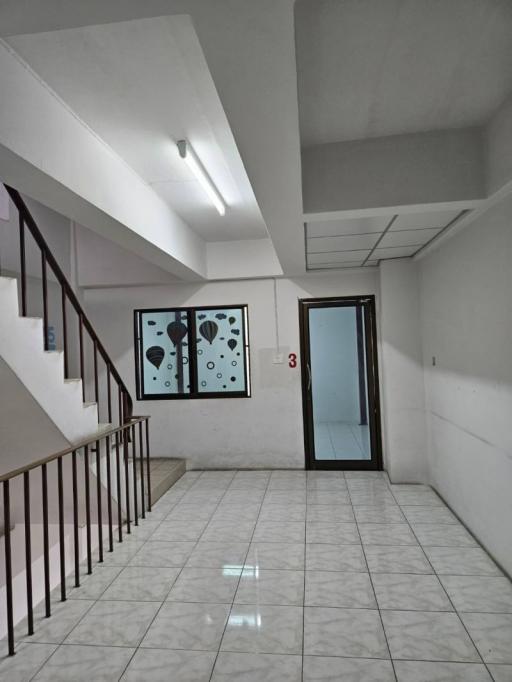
pixel 210 365
pixel 200 352
pixel 203 383
pixel 184 361
pixel 219 376
pixel 167 383
pixel 233 378
pixel 169 366
pixel 234 363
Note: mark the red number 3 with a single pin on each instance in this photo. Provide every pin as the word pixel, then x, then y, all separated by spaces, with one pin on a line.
pixel 292 360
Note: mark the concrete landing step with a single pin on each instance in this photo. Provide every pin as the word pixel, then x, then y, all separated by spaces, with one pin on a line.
pixel 164 473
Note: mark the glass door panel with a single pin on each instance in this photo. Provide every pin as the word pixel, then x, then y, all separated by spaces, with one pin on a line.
pixel 340 375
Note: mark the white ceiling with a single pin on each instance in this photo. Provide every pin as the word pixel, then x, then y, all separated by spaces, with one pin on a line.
pixel 370 68
pixel 141 86
pixel 356 242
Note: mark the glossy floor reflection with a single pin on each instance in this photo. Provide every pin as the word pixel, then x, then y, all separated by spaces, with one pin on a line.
pixel 283 577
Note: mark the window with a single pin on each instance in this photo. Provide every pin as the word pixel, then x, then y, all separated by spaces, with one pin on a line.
pixel 192 353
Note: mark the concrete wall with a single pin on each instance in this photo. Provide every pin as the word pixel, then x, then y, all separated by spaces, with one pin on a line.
pixel 397 170
pixel 262 431
pixel 467 326
pixel 403 405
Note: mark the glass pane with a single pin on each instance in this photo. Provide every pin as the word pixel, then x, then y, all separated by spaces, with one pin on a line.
pixel 338 383
pixel 165 368
pixel 221 347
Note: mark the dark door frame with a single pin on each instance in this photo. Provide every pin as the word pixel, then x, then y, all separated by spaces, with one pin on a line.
pixel 367 304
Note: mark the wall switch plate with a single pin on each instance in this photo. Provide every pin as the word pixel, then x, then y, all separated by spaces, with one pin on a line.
pixel 278 359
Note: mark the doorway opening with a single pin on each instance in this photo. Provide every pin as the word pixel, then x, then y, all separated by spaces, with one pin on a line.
pixel 340 383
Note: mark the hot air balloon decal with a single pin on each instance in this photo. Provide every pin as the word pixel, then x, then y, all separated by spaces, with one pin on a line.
pixel 155 355
pixel 201 317
pixel 176 331
pixel 232 343
pixel 232 320
pixel 220 316
pixel 208 330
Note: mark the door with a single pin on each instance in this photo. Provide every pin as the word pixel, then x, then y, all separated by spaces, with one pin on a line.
pixel 340 383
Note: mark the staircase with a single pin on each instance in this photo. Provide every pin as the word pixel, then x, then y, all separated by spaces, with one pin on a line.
pixel 65 507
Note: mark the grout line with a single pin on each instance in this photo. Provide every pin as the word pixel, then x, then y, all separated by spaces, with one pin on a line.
pixel 371 579
pixel 455 610
pixel 179 501
pixel 62 643
pixel 240 576
pixel 198 478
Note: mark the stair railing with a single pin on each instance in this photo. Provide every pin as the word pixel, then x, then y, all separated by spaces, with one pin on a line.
pixel 69 298
pixel 117 443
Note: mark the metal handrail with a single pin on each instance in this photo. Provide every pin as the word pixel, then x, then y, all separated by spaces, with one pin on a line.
pixel 77 446
pixel 47 258
pixel 116 439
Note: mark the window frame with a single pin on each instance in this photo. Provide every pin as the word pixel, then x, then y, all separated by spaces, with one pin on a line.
pixel 194 394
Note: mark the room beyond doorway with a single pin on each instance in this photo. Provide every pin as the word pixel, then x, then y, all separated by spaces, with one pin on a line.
pixel 340 383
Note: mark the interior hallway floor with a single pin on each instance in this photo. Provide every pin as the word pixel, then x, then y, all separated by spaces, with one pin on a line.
pixel 341 440
pixel 280 577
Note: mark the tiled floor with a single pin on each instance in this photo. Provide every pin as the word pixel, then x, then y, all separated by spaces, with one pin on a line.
pixel 282 577
pixel 339 440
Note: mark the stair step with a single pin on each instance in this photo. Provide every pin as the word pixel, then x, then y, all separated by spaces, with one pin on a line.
pixel 89 404
pixel 72 381
pixel 165 471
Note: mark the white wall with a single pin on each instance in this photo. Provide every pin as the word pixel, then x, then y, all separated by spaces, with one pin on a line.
pixel 403 404
pixel 334 365
pixel 398 170
pixel 262 431
pixel 467 326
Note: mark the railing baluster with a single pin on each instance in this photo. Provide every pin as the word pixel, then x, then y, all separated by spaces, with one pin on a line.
pixel 62 547
pixel 23 268
pixel 96 383
pixel 109 395
pixel 81 344
pixel 148 464
pixel 127 479
pixel 8 569
pixel 135 495
pixel 65 334
pixel 87 509
pixel 28 553
pixel 98 499
pixel 141 455
pixel 109 495
pixel 45 299
pixel 46 542
pixel 76 546
pixel 118 485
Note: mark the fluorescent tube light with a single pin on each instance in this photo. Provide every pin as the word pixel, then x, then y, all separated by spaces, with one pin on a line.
pixel 197 168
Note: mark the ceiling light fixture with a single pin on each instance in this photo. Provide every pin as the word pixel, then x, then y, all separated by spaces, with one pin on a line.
pixel 197 168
